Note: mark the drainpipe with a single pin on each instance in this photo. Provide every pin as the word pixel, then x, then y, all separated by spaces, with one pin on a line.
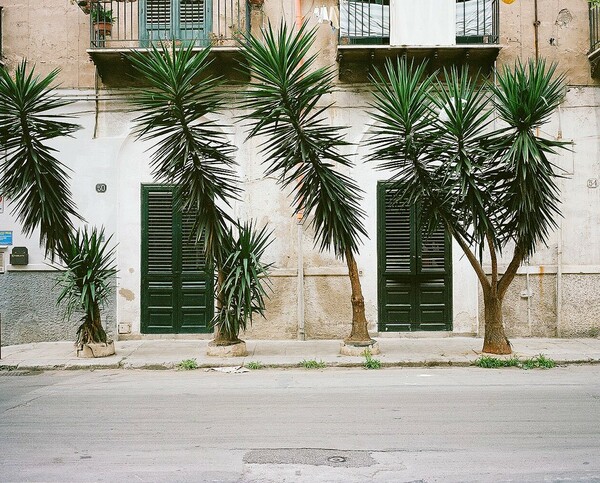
pixel 536 30
pixel 298 14
pixel 299 224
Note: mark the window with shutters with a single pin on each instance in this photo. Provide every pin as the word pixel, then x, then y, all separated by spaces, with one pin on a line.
pixel 415 272
pixel 177 294
pixel 175 20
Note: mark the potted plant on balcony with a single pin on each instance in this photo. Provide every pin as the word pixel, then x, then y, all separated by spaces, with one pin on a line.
pixel 102 20
pixel 256 3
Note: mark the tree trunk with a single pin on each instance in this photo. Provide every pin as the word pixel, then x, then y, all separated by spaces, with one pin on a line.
pixel 495 341
pixel 360 333
pixel 91 330
pixel 222 334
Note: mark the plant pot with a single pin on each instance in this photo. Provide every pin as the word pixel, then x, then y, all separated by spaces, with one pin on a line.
pixel 350 349
pixel 103 28
pixel 232 350
pixel 96 350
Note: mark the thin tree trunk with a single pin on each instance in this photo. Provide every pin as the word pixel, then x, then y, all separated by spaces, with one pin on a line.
pixel 222 335
pixel 495 340
pixel 360 333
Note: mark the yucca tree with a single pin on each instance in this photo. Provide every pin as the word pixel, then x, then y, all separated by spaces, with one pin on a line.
pixel 302 150
pixel 194 154
pixel 33 179
pixel 491 187
pixel 245 280
pixel 88 281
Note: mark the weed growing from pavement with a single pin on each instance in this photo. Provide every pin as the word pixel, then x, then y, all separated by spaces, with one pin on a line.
pixel 370 363
pixel 538 362
pixel 312 364
pixel 254 365
pixel 187 365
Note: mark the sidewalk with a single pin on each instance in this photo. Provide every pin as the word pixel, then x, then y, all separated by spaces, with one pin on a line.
pixel 166 354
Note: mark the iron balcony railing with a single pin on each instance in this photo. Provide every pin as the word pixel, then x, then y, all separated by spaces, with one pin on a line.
pixel 143 23
pixel 368 21
pixel 594 28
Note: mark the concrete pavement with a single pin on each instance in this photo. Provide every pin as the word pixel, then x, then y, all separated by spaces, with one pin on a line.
pixel 166 354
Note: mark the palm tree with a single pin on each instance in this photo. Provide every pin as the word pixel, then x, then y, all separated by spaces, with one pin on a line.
pixel 489 186
pixel 33 179
pixel 192 153
pixel 303 151
pixel 87 282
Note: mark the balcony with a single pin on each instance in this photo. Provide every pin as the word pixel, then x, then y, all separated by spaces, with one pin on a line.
pixel 117 27
pixel 444 32
pixel 594 53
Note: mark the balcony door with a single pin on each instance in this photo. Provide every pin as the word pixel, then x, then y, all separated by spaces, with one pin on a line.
pixel 187 21
pixel 415 273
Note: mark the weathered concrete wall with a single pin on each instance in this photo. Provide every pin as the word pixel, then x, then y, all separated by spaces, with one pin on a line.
pixel 563 35
pixel 52 34
pixel 30 313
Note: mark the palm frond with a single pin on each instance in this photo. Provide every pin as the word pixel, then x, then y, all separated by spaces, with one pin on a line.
pixel 302 150
pixel 34 180
pixel 189 150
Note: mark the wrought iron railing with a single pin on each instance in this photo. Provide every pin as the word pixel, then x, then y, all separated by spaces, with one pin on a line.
pixel 594 28
pixel 143 23
pixel 368 21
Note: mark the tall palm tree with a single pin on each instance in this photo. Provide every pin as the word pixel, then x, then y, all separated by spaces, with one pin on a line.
pixel 192 153
pixel 33 179
pixel 489 186
pixel 303 150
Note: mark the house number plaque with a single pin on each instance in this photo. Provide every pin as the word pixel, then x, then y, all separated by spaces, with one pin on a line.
pixel 101 188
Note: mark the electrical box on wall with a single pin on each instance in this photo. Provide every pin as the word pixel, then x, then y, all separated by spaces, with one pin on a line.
pixel 19 256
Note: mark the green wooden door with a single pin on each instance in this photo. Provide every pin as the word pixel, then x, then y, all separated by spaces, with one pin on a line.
pixel 183 20
pixel 415 271
pixel 177 294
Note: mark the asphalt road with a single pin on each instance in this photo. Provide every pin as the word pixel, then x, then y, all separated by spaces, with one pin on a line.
pixel 340 425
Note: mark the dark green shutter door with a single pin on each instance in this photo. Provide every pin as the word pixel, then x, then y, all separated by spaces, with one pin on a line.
pixel 166 20
pixel 176 284
pixel 414 271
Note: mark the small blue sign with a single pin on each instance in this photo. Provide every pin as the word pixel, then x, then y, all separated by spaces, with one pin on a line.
pixel 6 237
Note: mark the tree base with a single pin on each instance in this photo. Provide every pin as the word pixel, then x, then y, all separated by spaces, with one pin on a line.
pixel 497 348
pixel 349 348
pixel 93 350
pixel 218 349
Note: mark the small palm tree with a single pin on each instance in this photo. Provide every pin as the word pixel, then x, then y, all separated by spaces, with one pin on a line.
pixel 35 182
pixel 303 150
pixel 490 187
pixel 245 282
pixel 87 282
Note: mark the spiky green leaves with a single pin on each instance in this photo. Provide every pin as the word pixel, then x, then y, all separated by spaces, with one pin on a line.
pixel 90 270
pixel 33 179
pixel 302 149
pixel 189 150
pixel 525 97
pixel 436 139
pixel 245 280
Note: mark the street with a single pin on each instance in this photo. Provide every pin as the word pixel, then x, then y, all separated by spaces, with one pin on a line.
pixel 396 425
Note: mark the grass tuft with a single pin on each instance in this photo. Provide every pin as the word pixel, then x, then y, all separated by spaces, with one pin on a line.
pixel 255 365
pixel 312 364
pixel 187 365
pixel 370 363
pixel 538 362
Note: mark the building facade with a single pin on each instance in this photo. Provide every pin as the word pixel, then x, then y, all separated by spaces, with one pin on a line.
pixel 162 288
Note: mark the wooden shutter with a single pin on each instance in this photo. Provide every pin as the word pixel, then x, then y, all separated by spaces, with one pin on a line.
pixel 158 19
pixel 176 283
pixel 414 281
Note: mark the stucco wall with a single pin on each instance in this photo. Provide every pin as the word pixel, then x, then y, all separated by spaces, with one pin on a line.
pixel 30 312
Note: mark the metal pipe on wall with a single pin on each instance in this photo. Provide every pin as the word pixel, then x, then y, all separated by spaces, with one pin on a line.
pixel 536 30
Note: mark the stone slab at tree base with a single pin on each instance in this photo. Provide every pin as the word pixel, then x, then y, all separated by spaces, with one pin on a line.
pixel 358 349
pixel 233 350
pixel 96 350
